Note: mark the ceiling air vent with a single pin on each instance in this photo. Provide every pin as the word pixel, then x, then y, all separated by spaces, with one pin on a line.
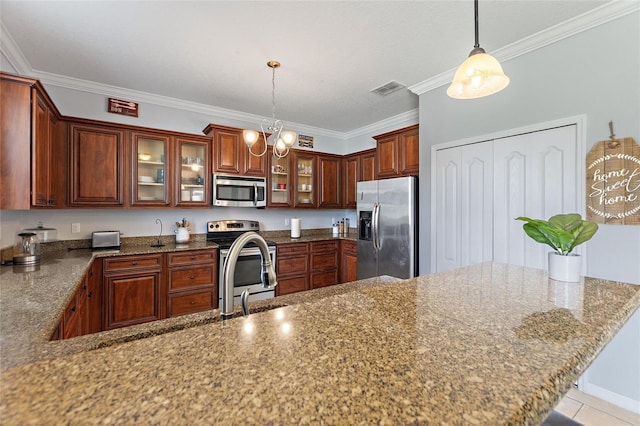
pixel 387 88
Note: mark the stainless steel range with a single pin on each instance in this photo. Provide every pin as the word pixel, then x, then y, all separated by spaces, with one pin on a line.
pixel 248 272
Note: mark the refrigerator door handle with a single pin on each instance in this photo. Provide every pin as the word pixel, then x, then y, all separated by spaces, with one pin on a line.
pixel 375 226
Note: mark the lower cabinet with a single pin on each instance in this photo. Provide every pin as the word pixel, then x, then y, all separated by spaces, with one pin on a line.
pixel 324 263
pixel 192 281
pixel 349 261
pixel 133 290
pixel 292 268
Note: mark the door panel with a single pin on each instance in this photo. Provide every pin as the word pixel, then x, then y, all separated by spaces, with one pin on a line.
pixel 476 224
pixel 535 176
pixel 448 214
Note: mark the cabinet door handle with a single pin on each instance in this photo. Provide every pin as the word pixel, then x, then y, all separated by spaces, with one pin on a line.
pixel 90 294
pixel 72 309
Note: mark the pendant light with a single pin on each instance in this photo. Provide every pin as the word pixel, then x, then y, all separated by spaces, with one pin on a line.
pixel 282 140
pixel 479 75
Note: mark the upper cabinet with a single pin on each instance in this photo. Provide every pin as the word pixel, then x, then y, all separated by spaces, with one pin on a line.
pixel 33 152
pixel 397 153
pixel 367 165
pixel 279 181
pixel 97 171
pixel 329 173
pixel 304 190
pixel 151 176
pixel 231 155
pixel 193 172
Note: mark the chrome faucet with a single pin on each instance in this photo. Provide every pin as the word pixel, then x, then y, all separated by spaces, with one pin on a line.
pixel 228 272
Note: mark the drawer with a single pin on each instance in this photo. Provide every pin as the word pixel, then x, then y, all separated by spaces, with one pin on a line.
pixel 191 257
pixel 292 265
pixel 182 304
pixel 291 285
pixel 322 261
pixel 191 277
pixel 324 246
pixel 127 263
pixel 324 279
pixel 291 248
pixel 349 247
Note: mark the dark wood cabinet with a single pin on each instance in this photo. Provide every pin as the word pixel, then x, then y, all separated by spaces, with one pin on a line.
pixel 151 176
pixel 349 261
pixel 192 281
pixel 279 181
pixel 397 153
pixel 292 268
pixel 305 188
pixel 324 263
pixel 97 168
pixel 94 297
pixel 350 175
pixel 133 290
pixel 192 172
pixel 231 155
pixel 367 165
pixel 329 181
pixel 32 147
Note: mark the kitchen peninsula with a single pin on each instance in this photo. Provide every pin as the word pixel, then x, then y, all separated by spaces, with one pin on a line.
pixel 486 344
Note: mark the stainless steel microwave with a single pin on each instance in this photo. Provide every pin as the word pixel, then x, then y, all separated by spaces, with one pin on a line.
pixel 239 191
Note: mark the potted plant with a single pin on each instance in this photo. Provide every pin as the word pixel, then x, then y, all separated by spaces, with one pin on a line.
pixel 562 232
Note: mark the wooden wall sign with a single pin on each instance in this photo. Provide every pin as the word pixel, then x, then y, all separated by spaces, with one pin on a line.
pixel 118 106
pixel 613 182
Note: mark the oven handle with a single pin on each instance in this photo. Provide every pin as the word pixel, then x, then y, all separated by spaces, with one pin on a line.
pixel 251 251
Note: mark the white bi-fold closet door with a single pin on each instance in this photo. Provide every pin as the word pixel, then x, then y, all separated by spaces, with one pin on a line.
pixel 482 187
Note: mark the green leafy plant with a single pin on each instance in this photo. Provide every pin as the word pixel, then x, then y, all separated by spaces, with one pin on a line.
pixel 562 232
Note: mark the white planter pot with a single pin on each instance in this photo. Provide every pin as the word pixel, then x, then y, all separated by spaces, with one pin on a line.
pixel 564 268
pixel 182 235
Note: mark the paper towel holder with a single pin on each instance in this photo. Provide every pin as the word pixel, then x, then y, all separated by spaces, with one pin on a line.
pixel 295 228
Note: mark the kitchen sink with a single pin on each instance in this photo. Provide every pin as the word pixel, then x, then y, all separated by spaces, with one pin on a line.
pixel 181 326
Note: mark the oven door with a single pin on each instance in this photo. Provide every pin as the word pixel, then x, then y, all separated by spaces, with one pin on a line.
pixel 247 275
pixel 239 191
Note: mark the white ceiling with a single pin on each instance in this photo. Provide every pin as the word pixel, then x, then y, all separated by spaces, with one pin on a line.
pixel 215 52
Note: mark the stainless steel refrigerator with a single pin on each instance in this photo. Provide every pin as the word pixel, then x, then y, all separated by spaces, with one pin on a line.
pixel 387 214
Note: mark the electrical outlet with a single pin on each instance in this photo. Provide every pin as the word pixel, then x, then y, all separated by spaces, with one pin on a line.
pixel 75 228
pixel 286 222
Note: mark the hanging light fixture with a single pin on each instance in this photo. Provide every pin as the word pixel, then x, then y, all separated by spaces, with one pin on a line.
pixel 479 75
pixel 282 140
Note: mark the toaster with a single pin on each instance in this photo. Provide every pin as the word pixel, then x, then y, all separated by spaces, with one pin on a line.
pixel 105 239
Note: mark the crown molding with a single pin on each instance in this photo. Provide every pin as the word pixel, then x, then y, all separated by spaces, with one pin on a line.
pixel 12 52
pixel 593 18
pixel 165 101
pixel 384 125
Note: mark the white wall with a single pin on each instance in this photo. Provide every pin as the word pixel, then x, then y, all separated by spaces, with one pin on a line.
pixel 597 73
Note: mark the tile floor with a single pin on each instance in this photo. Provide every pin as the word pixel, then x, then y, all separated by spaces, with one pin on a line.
pixel 591 411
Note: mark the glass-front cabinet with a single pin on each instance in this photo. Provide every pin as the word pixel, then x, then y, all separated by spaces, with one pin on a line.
pixel 192 173
pixel 150 172
pixel 305 169
pixel 280 180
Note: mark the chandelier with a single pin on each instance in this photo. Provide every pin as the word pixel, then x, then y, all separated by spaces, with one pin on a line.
pixel 479 75
pixel 282 140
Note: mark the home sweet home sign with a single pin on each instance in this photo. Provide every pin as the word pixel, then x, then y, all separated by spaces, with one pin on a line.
pixel 613 182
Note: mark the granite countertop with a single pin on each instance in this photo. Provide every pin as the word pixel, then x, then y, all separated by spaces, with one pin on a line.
pixel 486 344
pixel 33 298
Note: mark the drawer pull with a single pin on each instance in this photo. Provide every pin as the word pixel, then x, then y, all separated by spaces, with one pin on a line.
pixel 72 310
pixel 192 277
pixel 134 263
pixel 90 294
pixel 193 258
pixel 193 302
